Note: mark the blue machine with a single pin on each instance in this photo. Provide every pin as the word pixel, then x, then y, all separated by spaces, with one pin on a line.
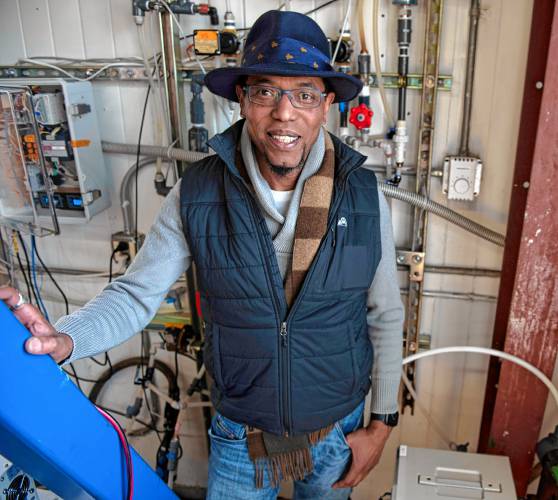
pixel 55 434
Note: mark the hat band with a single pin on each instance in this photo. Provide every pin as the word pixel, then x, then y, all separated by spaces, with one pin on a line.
pixel 284 50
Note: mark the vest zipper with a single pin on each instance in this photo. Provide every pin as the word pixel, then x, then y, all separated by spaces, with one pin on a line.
pixel 283 341
pixel 285 393
pixel 283 334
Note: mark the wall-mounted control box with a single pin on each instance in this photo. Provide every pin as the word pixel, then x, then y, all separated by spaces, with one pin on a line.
pixel 462 177
pixel 51 162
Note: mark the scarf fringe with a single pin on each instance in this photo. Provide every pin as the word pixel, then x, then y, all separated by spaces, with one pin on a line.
pixel 292 465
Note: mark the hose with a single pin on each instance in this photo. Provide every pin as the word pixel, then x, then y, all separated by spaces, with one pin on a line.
pixel 154 151
pixel 441 211
pixel 399 194
pixel 125 205
pixel 490 352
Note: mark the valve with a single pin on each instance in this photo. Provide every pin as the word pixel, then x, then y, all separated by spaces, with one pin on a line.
pixel 361 116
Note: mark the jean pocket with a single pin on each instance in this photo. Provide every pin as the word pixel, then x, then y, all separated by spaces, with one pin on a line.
pixel 350 423
pixel 341 434
pixel 224 428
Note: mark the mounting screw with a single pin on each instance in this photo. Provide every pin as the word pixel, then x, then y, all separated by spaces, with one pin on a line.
pixel 526 184
pixel 417 259
pixel 539 85
pixel 400 259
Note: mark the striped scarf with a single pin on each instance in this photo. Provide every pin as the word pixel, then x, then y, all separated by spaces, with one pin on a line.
pixel 290 457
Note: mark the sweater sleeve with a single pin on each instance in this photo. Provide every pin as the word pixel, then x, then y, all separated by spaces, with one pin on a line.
pixel 125 306
pixel 385 321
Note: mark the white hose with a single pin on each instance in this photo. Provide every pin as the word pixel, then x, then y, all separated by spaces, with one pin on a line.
pixel 376 51
pixel 343 28
pixel 489 352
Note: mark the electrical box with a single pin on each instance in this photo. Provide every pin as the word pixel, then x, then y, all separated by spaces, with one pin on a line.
pixel 462 177
pixel 51 162
pixel 424 474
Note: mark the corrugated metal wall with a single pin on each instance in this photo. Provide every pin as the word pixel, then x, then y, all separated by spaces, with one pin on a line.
pixel 452 388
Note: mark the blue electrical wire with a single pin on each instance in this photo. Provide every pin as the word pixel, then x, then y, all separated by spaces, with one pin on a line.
pixel 34 273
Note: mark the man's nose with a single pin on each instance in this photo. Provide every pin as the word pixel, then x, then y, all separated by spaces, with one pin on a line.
pixel 284 110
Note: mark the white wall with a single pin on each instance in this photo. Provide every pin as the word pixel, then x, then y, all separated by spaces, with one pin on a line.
pixel 452 388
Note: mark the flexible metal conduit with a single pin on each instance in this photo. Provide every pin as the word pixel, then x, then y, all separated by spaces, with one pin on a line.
pixel 154 151
pixel 441 211
pixel 399 194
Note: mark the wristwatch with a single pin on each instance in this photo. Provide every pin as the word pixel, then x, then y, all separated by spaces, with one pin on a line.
pixel 390 419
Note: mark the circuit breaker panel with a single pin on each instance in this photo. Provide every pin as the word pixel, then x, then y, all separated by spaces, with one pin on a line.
pixel 52 169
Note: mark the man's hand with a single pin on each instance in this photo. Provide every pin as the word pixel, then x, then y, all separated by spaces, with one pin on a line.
pixel 45 339
pixel 366 446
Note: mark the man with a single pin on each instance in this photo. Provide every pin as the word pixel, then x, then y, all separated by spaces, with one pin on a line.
pixel 295 260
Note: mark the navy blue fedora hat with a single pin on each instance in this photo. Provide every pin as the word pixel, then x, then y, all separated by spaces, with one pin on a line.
pixel 284 44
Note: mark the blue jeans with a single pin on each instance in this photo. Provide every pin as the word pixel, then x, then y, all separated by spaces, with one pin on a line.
pixel 231 472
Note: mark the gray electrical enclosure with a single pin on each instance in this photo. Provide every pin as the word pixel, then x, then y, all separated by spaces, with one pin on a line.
pixel 425 474
pixel 51 163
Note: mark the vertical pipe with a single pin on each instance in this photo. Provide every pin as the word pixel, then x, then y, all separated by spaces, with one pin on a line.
pixel 404 30
pixel 469 77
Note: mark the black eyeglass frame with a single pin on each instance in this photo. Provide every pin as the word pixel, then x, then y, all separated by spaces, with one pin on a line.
pixel 281 92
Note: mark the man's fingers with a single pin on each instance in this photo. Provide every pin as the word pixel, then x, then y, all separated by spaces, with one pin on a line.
pixel 59 346
pixel 42 345
pixel 350 478
pixel 34 321
pixel 9 295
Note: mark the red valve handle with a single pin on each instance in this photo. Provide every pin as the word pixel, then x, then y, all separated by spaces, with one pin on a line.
pixel 361 116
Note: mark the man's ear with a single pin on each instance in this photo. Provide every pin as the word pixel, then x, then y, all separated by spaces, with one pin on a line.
pixel 241 98
pixel 328 101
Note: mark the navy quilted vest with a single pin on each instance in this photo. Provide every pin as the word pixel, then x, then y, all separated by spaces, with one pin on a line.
pixel 284 371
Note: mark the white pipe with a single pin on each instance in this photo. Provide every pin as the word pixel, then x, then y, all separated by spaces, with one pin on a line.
pixel 489 352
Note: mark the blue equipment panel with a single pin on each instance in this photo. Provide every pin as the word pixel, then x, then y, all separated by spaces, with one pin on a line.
pixel 50 430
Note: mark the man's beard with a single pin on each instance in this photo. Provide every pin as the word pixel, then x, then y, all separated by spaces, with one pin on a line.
pixel 283 170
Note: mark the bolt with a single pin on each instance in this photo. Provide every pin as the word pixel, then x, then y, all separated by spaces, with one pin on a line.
pixel 412 347
pixel 526 184
pixel 417 258
pixel 401 259
pixel 539 85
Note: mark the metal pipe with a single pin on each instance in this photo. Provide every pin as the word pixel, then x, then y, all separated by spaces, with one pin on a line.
pixel 125 186
pixel 171 153
pixel 441 294
pixel 469 77
pixel 170 44
pixel 456 270
pixel 404 30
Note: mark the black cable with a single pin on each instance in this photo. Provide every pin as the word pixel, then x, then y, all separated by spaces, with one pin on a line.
pixel 83 379
pixel 47 270
pixel 319 7
pixel 122 414
pixel 137 163
pixel 110 264
pixel 21 268
pixel 76 376
pixel 27 262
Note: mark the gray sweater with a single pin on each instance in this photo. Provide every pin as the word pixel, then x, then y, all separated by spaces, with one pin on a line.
pixel 127 304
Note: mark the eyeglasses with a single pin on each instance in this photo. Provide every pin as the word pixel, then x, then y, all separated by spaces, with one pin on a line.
pixel 264 95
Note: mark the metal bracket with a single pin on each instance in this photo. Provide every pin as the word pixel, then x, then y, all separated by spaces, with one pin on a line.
pixel 415 260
